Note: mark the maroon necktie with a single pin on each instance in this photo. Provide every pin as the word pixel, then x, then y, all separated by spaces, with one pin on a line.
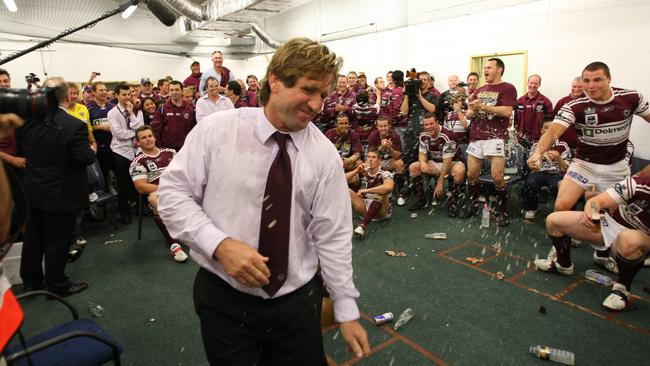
pixel 276 216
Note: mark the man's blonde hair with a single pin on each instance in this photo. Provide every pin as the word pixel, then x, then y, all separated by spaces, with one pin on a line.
pixel 300 57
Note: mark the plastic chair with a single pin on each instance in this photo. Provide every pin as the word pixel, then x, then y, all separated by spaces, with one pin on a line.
pixel 97 183
pixel 78 342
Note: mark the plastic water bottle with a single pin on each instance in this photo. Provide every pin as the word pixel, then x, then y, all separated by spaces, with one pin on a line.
pixel 95 309
pixel 598 277
pixel 404 318
pixel 553 354
pixel 485 216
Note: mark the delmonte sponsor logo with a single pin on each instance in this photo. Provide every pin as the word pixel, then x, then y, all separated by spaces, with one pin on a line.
pixel 603 130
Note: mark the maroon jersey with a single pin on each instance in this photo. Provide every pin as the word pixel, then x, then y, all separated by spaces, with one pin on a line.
pixel 150 167
pixel 171 124
pixel 452 123
pixel 396 97
pixel 8 144
pixel 570 136
pixel 439 147
pixel 374 142
pixel 251 98
pixel 193 79
pixel 384 100
pixel 363 118
pixel 326 118
pixel 633 197
pixel 486 126
pixel 603 127
pixel 346 144
pixel 368 180
pixel 240 103
pixel 529 113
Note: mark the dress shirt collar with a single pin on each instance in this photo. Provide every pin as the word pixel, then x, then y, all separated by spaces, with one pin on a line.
pixel 265 129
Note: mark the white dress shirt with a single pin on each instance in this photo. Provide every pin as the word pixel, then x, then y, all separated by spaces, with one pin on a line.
pixel 214 187
pixel 123 132
pixel 205 106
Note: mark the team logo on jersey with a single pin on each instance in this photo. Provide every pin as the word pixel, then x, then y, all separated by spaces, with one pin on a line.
pixel 590 110
pixel 637 207
pixel 539 108
pixel 591 119
pixel 151 166
pixel 627 112
pixel 186 116
pixel 620 188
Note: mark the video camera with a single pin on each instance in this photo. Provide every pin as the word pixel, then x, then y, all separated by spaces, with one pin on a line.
pixel 31 78
pixel 462 84
pixel 33 105
pixel 413 84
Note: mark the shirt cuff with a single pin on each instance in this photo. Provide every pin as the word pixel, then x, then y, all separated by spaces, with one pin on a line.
pixel 208 239
pixel 345 310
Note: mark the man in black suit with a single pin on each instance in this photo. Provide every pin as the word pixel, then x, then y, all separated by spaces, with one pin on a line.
pixel 56 187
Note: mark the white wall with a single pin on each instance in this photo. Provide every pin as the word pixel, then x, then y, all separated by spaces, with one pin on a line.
pixel 561 37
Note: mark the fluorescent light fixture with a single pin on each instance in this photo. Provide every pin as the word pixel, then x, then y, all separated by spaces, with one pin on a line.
pixel 11 5
pixel 126 13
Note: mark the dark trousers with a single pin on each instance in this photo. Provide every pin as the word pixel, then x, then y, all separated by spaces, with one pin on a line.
pixel 125 186
pixel 532 185
pixel 105 160
pixel 243 330
pixel 47 235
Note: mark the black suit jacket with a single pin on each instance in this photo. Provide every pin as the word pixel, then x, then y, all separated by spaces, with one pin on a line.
pixel 56 160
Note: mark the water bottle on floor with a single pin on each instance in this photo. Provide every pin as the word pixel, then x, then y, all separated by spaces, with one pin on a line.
pixel 404 318
pixel 95 309
pixel 598 277
pixel 485 216
pixel 553 354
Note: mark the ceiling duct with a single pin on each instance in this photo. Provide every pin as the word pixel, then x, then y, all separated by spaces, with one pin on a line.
pixel 186 9
pixel 228 15
pixel 265 37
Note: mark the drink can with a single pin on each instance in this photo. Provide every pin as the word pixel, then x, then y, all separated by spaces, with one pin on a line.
pixel 383 318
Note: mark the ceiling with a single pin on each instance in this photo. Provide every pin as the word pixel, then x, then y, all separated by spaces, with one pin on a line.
pixel 43 19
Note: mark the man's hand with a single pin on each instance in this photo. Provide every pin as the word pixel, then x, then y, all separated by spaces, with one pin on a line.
pixel 243 263
pixel 93 147
pixel 535 162
pixel 17 161
pixel 475 105
pixel 424 167
pixel 356 338
pixel 552 155
pixel 341 108
pixel 129 107
pixel 9 121
pixel 438 190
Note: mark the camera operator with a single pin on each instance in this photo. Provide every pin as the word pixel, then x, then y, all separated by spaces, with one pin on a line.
pixel 8 149
pixel 56 187
pixel 417 101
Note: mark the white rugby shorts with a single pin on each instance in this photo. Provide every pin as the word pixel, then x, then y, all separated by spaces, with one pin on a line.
pixel 483 148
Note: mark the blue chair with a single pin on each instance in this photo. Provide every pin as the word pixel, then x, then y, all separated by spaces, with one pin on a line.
pixel 78 342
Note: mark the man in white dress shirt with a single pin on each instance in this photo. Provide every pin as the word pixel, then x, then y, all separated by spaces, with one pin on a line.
pixel 260 303
pixel 123 120
pixel 212 101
